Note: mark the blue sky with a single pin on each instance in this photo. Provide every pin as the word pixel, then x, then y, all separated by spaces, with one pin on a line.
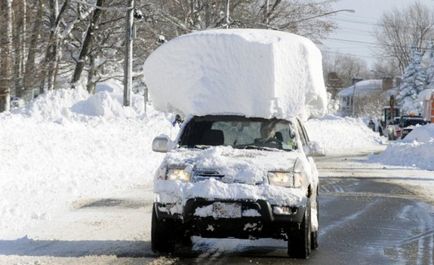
pixel 355 33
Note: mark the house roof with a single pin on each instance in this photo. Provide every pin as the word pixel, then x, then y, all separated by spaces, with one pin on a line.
pixel 362 87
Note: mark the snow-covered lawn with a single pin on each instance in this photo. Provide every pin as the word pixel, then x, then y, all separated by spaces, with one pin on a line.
pixel 52 155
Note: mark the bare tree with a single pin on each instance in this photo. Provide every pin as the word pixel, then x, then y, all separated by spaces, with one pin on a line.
pixel 346 68
pixel 19 33
pixel 402 29
pixel 369 105
pixel 87 42
pixel 6 53
pixel 30 72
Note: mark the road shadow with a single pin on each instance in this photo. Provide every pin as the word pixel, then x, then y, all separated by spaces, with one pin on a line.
pixel 110 202
pixel 62 248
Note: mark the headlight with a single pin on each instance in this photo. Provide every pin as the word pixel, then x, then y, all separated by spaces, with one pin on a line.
pixel 285 179
pixel 178 174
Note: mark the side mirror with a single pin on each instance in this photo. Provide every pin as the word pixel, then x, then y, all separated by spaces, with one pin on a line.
pixel 314 149
pixel 161 144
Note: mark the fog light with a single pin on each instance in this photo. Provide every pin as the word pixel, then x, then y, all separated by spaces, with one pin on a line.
pixel 284 210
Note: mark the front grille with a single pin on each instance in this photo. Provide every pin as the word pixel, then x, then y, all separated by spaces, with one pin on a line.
pixel 199 175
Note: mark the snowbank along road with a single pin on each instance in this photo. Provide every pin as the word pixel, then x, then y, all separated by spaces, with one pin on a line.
pixel 369 214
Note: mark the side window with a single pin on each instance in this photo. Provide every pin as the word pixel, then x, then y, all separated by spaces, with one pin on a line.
pixel 303 133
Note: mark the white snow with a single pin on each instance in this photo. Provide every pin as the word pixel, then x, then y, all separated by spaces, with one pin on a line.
pixel 176 191
pixel 422 134
pixel 426 94
pixel 243 175
pixel 364 87
pixel 251 213
pixel 219 210
pixel 53 155
pixel 415 150
pixel 256 73
pixel 338 135
pixel 236 165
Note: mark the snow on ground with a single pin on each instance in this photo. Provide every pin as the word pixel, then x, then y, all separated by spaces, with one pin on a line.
pixel 258 73
pixel 415 150
pixel 66 145
pixel 338 135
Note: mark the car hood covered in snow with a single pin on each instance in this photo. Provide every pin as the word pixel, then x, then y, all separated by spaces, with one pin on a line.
pixel 244 176
pixel 232 165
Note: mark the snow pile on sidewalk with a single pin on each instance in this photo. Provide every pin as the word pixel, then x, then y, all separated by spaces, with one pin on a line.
pixel 67 145
pixel 257 73
pixel 66 105
pixel 338 135
pixel 415 150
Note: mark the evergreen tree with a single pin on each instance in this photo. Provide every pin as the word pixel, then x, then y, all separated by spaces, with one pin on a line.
pixel 413 82
pixel 430 68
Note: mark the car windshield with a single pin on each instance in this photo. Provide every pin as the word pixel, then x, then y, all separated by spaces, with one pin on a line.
pixel 239 132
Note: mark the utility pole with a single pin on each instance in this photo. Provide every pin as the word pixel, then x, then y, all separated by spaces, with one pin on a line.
pixel 128 78
pixel 227 13
pixel 267 11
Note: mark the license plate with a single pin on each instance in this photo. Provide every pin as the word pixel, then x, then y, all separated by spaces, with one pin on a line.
pixel 226 210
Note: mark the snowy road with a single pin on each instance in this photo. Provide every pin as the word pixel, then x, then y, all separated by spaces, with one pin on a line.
pixel 369 215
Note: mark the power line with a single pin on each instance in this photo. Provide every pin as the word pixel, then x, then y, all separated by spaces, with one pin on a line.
pixel 358 22
pixel 345 16
pixel 356 41
pixel 355 55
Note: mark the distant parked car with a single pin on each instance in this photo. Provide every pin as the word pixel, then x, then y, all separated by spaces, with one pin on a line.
pixel 407 123
pixel 393 130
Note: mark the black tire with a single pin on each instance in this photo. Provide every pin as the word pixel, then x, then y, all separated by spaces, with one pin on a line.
pixel 162 236
pixel 314 234
pixel 299 241
pixel 314 240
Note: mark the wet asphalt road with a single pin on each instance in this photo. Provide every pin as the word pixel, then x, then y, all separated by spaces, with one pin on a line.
pixel 362 221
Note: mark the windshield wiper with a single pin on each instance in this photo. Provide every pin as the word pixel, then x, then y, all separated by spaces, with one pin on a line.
pixel 253 146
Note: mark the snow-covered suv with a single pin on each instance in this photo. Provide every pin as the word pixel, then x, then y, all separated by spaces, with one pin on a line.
pixel 232 176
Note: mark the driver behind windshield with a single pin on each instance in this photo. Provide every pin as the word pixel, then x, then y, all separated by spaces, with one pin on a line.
pixel 272 135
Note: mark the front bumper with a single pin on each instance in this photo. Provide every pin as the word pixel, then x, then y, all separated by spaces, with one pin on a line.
pixel 268 223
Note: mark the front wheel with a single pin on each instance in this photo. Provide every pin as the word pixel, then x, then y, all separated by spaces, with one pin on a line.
pixel 299 241
pixel 162 237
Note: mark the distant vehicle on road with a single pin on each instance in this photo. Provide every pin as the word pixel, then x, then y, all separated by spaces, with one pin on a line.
pixel 408 122
pixel 389 114
pixel 393 130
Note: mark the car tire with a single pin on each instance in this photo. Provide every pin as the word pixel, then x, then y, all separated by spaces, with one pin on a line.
pixel 314 240
pixel 299 239
pixel 162 236
pixel 314 234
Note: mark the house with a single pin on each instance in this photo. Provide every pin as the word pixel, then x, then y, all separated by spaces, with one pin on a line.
pixel 373 93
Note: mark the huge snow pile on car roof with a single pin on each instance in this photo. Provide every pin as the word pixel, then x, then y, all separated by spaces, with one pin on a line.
pixel 256 73
pixel 415 150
